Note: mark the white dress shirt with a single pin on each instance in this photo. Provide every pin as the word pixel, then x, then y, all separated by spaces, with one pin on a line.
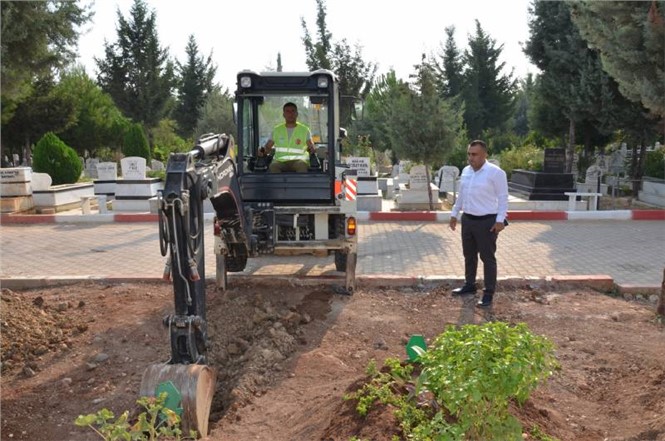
pixel 482 192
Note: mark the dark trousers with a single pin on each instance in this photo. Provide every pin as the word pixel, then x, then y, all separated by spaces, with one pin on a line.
pixel 477 239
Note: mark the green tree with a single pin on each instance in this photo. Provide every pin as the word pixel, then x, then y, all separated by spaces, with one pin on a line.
pixel 54 157
pixel 217 114
pixel 136 143
pixel 99 123
pixel 488 94
pixel 136 71
pixel 523 103
pixel 354 73
pixel 630 37
pixel 449 73
pixel 36 38
pixel 195 83
pixel 424 127
pixel 46 109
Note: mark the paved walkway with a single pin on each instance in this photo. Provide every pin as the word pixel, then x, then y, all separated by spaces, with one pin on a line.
pixel 631 252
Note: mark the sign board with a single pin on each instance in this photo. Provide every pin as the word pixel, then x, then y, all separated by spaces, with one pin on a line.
pixel 360 164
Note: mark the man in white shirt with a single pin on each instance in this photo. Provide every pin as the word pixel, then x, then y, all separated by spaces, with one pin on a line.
pixel 483 197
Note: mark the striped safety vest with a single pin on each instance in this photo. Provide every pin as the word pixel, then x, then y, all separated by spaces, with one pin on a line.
pixel 290 149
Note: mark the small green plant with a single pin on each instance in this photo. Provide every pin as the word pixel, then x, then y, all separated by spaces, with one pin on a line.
pixel 537 434
pixel 56 158
pixel 157 421
pixel 527 157
pixel 467 379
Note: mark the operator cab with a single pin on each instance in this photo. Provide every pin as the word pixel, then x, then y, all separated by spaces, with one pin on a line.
pixel 260 98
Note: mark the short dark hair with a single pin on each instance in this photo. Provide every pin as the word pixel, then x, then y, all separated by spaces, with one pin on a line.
pixel 478 142
pixel 290 104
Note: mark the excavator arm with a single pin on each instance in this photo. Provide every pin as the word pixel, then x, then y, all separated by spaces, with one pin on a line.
pixel 206 172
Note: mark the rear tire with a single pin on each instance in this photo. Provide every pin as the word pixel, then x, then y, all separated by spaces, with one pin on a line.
pixel 340 261
pixel 237 262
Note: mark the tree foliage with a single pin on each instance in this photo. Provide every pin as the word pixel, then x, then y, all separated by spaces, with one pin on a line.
pixel 36 37
pixel 354 73
pixel 195 82
pixel 136 143
pixel 630 37
pixel 488 94
pixel 450 71
pixel 60 161
pixel 217 114
pixel 136 70
pixel 46 109
pixel 99 123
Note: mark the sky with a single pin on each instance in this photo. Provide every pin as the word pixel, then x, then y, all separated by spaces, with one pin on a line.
pixel 248 34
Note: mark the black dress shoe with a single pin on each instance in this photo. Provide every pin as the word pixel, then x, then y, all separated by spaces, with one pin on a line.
pixel 486 301
pixel 466 289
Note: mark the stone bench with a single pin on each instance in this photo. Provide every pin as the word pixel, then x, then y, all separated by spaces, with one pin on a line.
pixel 572 197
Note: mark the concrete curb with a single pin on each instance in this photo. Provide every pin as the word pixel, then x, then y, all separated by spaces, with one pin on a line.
pixel 378 216
pixel 602 283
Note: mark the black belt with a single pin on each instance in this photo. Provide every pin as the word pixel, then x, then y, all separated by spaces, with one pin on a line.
pixel 472 217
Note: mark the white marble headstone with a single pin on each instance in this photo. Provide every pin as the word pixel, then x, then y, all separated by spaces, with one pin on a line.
pixel 107 171
pixel 41 181
pixel 133 167
pixel 418 178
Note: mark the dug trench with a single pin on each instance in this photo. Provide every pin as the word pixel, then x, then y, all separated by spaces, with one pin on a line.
pixel 287 354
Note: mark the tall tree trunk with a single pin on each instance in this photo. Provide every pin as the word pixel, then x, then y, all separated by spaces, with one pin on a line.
pixel 660 309
pixel 571 147
pixel 429 191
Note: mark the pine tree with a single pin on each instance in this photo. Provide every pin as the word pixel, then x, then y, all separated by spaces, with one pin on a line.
pixel 136 71
pixel 488 94
pixel 630 37
pixel 449 73
pixel 195 83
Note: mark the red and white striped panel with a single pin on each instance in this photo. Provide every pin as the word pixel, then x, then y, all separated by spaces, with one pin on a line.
pixel 350 189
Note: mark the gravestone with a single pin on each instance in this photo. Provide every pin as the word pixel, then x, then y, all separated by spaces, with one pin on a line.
pixel 415 196
pixel 90 169
pixel 133 167
pixel 554 161
pixel 447 181
pixel 549 185
pixel 16 159
pixel 156 165
pixel 593 175
pixel 134 191
pixel 41 181
pixel 369 196
pixel 16 189
pixel 107 176
pixel 107 171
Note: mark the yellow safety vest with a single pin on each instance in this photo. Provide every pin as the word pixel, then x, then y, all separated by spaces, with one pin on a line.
pixel 290 149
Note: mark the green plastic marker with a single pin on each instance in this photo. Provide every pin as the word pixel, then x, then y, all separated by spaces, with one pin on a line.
pixel 416 341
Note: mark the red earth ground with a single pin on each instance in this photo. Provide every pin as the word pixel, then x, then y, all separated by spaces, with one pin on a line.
pixel 287 354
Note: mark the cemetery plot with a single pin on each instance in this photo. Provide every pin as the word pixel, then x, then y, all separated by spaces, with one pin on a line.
pixel 287 355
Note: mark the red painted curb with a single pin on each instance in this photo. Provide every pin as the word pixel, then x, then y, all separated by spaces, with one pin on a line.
pixel 27 219
pixel 648 214
pixel 402 215
pixel 537 215
pixel 142 217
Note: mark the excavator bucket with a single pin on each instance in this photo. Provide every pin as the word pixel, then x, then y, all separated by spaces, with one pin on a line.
pixel 193 385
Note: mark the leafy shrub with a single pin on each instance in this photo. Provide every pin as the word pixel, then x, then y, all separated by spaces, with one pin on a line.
pixel 527 157
pixel 158 421
pixel 54 157
pixel 472 373
pixel 167 141
pixel 136 143
pixel 457 157
pixel 654 164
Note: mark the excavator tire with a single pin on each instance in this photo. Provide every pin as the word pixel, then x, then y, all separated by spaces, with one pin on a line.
pixel 340 261
pixel 196 385
pixel 237 262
